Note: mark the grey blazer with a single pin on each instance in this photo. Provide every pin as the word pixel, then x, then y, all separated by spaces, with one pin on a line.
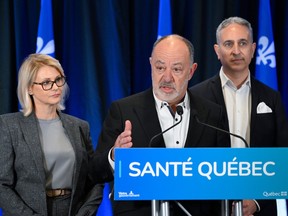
pixel 22 175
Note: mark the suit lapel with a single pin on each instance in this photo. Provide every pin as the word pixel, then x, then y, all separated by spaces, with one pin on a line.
pixel 216 88
pixel 254 103
pixel 194 131
pixel 148 117
pixel 152 127
pixel 31 131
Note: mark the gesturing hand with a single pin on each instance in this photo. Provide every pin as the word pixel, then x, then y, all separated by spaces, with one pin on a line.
pixel 124 140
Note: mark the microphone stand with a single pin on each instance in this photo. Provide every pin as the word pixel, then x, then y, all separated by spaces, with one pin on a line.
pixel 179 111
pixel 225 208
pixel 238 206
pixel 161 207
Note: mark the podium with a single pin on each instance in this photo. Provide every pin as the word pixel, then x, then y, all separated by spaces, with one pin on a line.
pixel 201 174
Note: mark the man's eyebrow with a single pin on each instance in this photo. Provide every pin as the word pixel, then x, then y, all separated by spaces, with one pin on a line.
pixel 159 61
pixel 177 63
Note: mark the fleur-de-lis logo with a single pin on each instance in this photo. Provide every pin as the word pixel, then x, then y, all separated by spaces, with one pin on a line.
pixel 49 48
pixel 266 52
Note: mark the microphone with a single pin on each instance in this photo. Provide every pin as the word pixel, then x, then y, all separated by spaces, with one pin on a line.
pixel 179 111
pixel 195 115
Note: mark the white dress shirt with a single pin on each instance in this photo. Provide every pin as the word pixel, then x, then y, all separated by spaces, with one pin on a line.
pixel 175 137
pixel 238 106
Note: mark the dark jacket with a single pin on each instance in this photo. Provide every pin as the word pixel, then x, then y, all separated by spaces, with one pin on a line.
pixel 266 130
pixel 140 110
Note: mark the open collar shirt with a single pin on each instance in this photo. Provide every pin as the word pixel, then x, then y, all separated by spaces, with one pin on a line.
pixel 176 137
pixel 238 106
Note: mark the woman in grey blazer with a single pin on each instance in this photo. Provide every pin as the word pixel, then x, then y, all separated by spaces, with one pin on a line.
pixel 44 153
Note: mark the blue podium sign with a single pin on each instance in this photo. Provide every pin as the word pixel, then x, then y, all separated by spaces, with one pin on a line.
pixel 200 173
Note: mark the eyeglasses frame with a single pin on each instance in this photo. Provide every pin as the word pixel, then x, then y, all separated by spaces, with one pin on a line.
pixel 53 82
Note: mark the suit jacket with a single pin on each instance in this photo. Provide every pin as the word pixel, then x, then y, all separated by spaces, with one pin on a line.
pixel 22 175
pixel 140 110
pixel 266 130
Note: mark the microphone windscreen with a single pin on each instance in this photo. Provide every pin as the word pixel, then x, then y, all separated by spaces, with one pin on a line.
pixel 179 110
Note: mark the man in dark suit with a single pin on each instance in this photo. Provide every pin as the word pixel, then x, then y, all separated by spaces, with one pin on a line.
pixel 254 110
pixel 133 121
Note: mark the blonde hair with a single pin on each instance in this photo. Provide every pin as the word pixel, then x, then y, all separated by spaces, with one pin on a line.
pixel 26 77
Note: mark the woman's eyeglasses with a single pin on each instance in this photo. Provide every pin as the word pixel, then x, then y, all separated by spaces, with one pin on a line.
pixel 47 85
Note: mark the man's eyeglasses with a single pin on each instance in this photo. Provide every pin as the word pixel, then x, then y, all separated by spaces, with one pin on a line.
pixel 47 85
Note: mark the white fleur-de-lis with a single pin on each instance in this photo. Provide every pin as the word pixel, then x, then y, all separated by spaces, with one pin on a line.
pixel 266 52
pixel 49 48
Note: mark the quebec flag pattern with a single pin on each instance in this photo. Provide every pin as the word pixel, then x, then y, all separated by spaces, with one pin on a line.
pixel 266 64
pixel 45 39
pixel 164 18
pixel 266 59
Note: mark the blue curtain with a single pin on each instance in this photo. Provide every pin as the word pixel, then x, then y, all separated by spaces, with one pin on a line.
pixel 284 71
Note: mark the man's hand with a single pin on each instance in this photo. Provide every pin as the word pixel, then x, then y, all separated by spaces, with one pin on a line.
pixel 249 208
pixel 124 140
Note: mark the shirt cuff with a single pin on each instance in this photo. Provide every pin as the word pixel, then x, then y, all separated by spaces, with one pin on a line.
pixel 257 205
pixel 111 162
